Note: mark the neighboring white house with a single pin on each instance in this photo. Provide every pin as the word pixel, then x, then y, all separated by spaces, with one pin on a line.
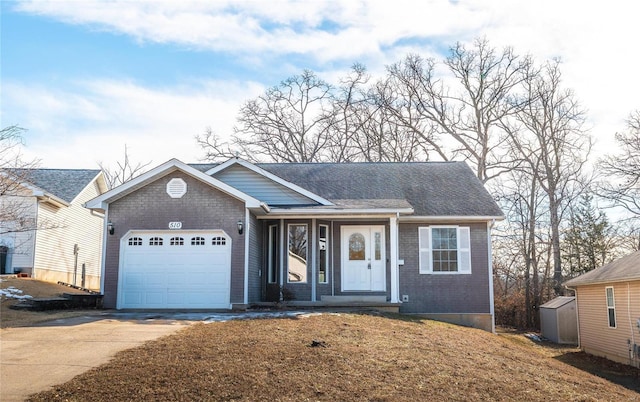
pixel 60 240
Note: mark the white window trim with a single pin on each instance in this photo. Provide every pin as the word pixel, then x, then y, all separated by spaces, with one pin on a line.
pixel 426 267
pixel 613 299
pixel 307 259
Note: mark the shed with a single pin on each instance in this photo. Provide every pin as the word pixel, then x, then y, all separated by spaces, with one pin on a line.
pixel 559 320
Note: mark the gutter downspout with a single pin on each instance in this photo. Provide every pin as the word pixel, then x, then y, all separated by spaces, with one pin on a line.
pixel 395 282
pixel 314 244
pixel 490 225
pixel 247 219
pixel 575 291
pixel 103 257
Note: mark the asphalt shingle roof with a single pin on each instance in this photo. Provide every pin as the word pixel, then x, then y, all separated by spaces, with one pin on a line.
pixel 65 184
pixel 622 269
pixel 432 188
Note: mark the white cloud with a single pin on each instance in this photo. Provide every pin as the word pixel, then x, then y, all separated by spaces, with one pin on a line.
pixel 596 41
pixel 91 122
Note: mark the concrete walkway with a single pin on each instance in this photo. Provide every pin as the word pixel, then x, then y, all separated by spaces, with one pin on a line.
pixel 32 359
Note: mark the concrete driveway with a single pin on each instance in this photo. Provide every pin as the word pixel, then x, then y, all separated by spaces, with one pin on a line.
pixel 32 359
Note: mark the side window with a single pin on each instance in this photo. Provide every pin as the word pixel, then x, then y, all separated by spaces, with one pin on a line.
pixel 323 252
pixel 297 259
pixel 444 250
pixel 611 307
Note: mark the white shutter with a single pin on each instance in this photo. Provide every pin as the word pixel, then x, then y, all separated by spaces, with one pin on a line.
pixel 424 244
pixel 464 250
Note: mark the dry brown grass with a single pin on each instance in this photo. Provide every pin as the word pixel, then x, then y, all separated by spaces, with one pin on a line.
pixel 360 358
pixel 34 288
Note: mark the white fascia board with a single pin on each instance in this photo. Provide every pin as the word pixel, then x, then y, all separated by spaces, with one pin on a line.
pixel 100 173
pixel 271 176
pixel 103 200
pixel 445 218
pixel 335 213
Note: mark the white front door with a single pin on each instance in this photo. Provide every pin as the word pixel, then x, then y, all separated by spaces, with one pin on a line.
pixel 363 258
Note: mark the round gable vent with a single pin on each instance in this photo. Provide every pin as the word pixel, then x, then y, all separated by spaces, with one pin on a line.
pixel 176 188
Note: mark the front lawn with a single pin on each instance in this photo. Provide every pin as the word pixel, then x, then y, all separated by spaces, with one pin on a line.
pixel 337 357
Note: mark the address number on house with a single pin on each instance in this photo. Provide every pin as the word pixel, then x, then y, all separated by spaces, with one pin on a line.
pixel 175 225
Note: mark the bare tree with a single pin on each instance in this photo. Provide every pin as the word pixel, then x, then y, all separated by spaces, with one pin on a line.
pixel 460 116
pixel 16 213
pixel 622 170
pixel 290 122
pixel 124 171
pixel 547 134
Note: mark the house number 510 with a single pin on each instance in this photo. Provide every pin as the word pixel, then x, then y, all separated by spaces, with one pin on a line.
pixel 175 225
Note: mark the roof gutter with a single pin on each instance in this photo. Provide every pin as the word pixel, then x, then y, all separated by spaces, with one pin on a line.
pixel 449 218
pixel 332 212
pixel 53 200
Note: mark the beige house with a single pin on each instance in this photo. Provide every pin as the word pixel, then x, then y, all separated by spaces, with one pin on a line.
pixel 608 300
pixel 50 235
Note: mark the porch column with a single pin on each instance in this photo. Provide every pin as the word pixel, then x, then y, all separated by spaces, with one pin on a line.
pixel 393 234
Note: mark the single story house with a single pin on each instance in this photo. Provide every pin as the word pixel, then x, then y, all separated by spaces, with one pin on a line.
pixel 47 233
pixel 608 301
pixel 410 236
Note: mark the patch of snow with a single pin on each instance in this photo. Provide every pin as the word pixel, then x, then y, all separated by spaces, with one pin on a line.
pixel 534 337
pixel 13 293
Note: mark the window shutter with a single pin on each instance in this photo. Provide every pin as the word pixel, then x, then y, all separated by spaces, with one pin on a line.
pixel 424 244
pixel 464 250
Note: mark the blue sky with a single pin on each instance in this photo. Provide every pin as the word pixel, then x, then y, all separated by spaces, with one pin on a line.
pixel 86 77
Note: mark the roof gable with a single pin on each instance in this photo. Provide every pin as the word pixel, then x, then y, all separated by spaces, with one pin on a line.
pixel 132 185
pixel 261 187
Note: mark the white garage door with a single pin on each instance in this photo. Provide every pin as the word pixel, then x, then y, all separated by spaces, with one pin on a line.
pixel 175 269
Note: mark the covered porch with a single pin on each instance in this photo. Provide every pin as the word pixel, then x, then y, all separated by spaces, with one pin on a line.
pixel 331 260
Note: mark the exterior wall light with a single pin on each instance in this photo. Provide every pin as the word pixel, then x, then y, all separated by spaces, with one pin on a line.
pixel 110 227
pixel 240 227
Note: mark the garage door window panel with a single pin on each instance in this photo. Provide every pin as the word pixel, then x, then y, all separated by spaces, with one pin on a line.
pixel 197 241
pixel 155 241
pixel 218 241
pixel 135 241
pixel 177 241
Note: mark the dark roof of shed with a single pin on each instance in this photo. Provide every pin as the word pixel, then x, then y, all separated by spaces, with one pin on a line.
pixel 558 302
pixel 65 184
pixel 432 188
pixel 622 269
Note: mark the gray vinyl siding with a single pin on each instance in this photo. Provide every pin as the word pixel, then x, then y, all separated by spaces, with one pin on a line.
pixel 260 187
pixel 150 208
pixel 255 260
pixel 444 293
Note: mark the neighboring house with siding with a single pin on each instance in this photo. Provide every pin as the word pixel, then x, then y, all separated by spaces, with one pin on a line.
pixel 61 240
pixel 413 237
pixel 608 300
